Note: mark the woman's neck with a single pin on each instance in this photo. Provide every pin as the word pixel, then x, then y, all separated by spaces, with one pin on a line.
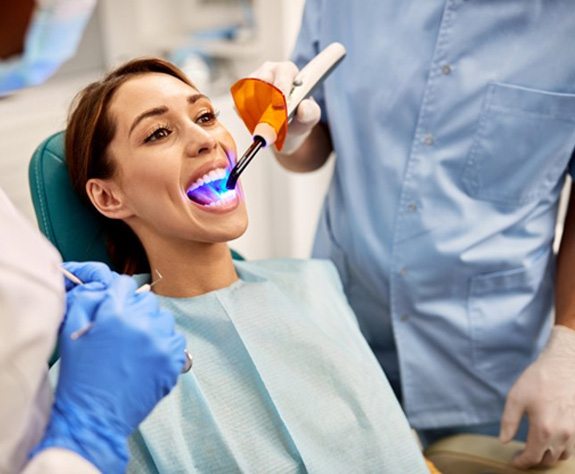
pixel 190 268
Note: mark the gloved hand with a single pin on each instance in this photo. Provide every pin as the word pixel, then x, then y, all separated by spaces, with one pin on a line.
pixel 112 376
pixel 308 113
pixel 546 392
pixel 90 272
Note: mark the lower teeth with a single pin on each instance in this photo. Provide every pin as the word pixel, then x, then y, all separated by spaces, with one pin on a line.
pixel 212 194
pixel 224 198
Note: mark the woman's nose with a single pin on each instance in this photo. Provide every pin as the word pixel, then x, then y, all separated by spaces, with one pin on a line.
pixel 200 141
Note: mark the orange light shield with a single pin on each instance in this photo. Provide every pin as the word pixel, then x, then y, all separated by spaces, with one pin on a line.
pixel 258 101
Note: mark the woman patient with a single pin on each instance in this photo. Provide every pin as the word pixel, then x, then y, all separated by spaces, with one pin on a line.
pixel 283 380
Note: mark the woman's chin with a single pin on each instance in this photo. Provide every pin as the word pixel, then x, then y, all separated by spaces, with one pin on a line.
pixel 237 231
pixel 223 236
pixel 228 229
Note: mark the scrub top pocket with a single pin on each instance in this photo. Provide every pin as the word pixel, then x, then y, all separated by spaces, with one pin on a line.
pixel 498 340
pixel 522 144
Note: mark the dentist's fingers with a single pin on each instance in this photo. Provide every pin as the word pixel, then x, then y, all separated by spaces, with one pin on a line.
pixel 551 457
pixel 89 272
pixel 306 118
pixel 533 453
pixel 515 406
pixel 512 413
pixel 82 303
pixel 308 112
pixel 119 294
pixel 280 74
pixel 570 451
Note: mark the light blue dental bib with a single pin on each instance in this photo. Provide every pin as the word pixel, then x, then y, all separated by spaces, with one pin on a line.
pixel 282 382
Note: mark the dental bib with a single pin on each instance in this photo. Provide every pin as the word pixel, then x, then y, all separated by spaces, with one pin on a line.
pixel 282 381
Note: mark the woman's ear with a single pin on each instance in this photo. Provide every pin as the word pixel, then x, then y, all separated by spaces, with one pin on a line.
pixel 107 198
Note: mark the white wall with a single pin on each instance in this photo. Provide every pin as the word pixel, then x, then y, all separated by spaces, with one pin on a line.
pixel 283 207
pixel 295 199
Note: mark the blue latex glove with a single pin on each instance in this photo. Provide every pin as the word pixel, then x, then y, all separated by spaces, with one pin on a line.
pixel 89 272
pixel 96 275
pixel 112 376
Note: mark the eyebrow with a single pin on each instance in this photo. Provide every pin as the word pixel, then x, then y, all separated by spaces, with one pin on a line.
pixel 192 99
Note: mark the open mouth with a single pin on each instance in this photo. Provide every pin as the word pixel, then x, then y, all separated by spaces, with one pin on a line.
pixel 210 190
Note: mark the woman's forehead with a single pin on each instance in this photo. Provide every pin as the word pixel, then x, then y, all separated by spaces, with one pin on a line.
pixel 145 90
pixel 148 91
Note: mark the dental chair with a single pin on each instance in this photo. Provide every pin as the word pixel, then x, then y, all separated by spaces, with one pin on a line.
pixel 76 230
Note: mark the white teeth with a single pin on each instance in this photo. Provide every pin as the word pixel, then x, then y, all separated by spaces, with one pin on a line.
pixel 224 199
pixel 213 175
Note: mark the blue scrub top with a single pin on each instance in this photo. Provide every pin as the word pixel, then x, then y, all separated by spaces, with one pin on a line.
pixel 453 124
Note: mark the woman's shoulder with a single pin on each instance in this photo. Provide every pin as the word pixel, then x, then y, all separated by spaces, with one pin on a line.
pixel 303 279
pixel 292 268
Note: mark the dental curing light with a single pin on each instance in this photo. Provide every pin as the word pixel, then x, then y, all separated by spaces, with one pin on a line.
pixel 264 109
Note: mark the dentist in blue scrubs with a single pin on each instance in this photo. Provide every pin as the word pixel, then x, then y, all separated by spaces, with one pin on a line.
pixel 453 125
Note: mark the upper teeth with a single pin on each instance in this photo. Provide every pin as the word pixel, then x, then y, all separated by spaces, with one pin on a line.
pixel 213 175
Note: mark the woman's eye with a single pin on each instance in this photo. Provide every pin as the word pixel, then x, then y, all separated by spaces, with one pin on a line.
pixel 207 118
pixel 158 134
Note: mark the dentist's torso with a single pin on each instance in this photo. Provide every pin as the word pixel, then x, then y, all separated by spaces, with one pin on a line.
pixel 453 124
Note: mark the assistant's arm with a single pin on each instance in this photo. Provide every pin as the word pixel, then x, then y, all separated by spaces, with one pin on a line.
pixel 112 376
pixel 31 309
pixel 565 283
pixel 59 460
pixel 546 389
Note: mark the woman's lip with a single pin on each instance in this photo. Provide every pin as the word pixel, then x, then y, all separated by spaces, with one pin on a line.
pixel 220 209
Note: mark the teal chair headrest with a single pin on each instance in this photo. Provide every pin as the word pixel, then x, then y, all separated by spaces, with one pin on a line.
pixel 74 228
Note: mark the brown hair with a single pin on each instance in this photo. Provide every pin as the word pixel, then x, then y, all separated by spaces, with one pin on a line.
pixel 89 132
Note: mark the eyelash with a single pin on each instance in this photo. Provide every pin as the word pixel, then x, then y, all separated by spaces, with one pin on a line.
pixel 210 116
pixel 155 135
